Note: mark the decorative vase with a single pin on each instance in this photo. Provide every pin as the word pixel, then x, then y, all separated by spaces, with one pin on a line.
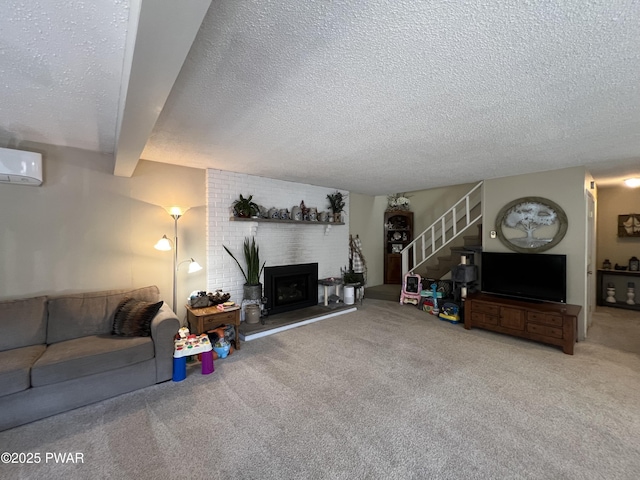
pixel 252 292
pixel 296 213
pixel 337 217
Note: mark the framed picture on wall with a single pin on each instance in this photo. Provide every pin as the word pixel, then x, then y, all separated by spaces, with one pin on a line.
pixel 531 224
pixel 629 225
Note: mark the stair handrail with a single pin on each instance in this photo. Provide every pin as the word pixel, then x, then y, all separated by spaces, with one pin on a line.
pixel 441 222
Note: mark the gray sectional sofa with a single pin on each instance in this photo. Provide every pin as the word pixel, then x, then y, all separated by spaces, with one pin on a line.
pixel 58 353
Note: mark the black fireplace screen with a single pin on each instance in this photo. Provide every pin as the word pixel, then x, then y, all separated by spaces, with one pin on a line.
pixel 290 287
pixel 291 290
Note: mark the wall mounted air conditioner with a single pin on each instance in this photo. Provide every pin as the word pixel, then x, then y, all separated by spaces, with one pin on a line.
pixel 20 168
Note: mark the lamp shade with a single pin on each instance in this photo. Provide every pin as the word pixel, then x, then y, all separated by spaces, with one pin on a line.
pixel 176 211
pixel 163 244
pixel 194 266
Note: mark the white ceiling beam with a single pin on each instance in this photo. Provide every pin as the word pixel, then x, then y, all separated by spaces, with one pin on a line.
pixel 160 36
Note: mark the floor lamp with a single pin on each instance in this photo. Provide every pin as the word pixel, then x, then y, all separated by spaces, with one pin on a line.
pixel 165 244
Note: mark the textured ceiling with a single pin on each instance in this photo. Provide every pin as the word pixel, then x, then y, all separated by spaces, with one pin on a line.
pixel 61 64
pixel 372 96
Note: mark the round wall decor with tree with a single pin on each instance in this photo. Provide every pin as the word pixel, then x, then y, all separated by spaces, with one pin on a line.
pixel 531 224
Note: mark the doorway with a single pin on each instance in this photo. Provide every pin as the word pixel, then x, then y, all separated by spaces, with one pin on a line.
pixel 590 287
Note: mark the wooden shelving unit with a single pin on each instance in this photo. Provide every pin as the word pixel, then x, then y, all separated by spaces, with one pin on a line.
pixel 398 233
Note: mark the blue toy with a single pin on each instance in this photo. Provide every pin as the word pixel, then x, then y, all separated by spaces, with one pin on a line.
pixel 434 289
pixel 450 313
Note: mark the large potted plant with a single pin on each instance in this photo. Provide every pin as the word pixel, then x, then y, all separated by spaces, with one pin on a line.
pixel 252 287
pixel 337 204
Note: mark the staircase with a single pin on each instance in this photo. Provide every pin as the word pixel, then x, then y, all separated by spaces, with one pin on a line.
pixel 439 266
pixel 444 236
pixel 442 233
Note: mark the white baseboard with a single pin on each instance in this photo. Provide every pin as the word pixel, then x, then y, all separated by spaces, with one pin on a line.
pixel 253 336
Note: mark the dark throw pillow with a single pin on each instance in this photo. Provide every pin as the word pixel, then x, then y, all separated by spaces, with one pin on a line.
pixel 133 317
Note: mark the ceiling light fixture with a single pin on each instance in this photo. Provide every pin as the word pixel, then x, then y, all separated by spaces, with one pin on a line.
pixel 632 182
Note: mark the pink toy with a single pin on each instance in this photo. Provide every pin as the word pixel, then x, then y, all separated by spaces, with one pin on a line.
pixel 411 287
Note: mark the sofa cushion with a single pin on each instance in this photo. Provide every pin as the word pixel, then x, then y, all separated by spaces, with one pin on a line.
pixel 133 318
pixel 15 368
pixel 79 315
pixel 89 355
pixel 22 322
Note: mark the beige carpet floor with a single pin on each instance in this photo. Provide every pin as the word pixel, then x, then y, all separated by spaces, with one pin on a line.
pixel 384 392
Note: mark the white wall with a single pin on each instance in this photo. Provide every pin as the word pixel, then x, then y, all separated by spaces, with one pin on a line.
pixel 85 229
pixel 365 221
pixel 280 243
pixel 429 205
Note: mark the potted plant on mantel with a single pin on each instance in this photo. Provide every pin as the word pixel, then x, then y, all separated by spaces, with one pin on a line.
pixel 252 289
pixel 337 204
pixel 245 207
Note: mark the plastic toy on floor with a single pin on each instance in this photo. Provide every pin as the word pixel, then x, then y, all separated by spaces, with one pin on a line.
pixel 434 296
pixel 187 345
pixel 427 305
pixel 222 338
pixel 450 313
pixel 429 301
pixel 411 287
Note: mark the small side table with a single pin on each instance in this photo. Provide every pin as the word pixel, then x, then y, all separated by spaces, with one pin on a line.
pixel 203 319
pixel 330 282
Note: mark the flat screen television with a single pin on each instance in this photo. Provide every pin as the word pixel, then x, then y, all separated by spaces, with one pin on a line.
pixel 527 276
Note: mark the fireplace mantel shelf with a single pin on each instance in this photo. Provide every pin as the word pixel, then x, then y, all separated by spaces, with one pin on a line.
pixel 279 220
pixel 256 221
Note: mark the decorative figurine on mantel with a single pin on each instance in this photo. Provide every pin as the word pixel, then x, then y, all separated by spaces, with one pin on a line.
pixel 304 210
pixel 611 293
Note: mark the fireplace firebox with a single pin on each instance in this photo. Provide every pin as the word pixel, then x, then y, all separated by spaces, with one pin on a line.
pixel 290 287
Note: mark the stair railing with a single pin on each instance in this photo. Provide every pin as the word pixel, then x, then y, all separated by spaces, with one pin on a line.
pixel 441 232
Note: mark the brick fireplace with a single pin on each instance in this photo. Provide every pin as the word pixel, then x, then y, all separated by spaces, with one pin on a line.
pixel 280 244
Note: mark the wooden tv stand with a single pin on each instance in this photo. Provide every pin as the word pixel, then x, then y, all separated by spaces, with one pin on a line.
pixel 553 323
